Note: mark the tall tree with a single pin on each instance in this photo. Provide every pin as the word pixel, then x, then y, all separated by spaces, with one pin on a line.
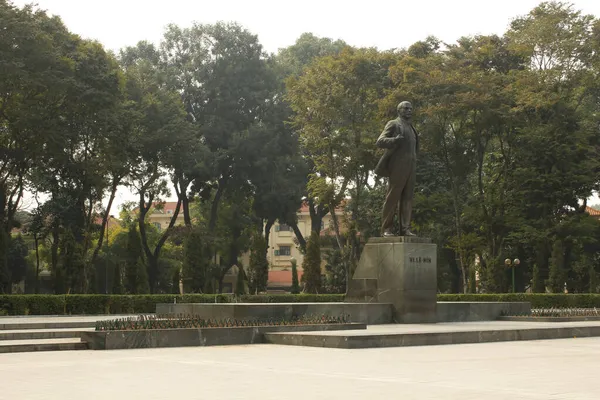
pixel 335 102
pixel 221 73
pixel 291 62
pixel 311 277
pixel 258 270
pixel 160 128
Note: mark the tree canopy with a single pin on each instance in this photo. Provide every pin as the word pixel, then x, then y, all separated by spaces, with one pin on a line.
pixel 510 136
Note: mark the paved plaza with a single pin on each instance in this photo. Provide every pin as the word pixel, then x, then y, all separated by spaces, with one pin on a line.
pixel 544 370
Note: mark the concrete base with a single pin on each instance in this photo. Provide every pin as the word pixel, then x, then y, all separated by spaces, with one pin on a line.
pixel 401 271
pixel 448 311
pixel 185 337
pixel 439 334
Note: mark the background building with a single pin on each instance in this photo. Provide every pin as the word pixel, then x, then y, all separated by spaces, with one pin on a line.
pixel 283 244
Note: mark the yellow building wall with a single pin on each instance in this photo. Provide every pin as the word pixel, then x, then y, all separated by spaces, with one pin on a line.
pixel 277 238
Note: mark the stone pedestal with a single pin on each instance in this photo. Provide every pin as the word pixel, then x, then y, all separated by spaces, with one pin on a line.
pixel 399 270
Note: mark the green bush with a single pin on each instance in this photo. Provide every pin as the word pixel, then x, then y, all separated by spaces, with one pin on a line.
pixel 132 304
pixel 32 305
pixel 79 304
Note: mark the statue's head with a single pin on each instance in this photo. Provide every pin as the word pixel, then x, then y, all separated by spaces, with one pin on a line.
pixel 405 110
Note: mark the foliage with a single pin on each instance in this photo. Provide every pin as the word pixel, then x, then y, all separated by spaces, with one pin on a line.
pixel 335 102
pixel 508 151
pixel 557 266
pixel 311 266
pixel 195 264
pixel 231 235
pixel 258 270
pixel 17 258
pixel 4 271
pixel 295 284
pixel 128 304
pixel 565 312
pixel 335 272
pixel 136 276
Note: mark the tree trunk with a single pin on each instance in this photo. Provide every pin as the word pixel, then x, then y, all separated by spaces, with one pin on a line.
pixel 185 202
pixel 181 187
pixel 355 229
pixel 268 227
pixel 338 239
pixel 215 205
pixel 113 192
pixel 299 236
pixel 153 256
pixel 316 215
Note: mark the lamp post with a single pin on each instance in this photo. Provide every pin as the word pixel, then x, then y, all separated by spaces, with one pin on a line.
pixel 512 264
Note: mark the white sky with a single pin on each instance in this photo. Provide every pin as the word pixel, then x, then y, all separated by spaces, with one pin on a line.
pixel 383 24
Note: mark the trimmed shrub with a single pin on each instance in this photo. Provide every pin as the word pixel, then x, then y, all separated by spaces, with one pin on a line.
pixel 80 304
pixel 312 265
pixel 295 285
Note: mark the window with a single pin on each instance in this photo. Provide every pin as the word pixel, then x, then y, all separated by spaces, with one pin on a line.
pixel 285 250
pixel 157 225
pixel 283 228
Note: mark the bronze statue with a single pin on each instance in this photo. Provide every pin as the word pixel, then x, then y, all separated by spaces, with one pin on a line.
pixel 399 162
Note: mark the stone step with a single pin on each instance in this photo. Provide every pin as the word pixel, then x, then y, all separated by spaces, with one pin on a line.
pixel 47 325
pixel 436 334
pixel 20 346
pixel 31 334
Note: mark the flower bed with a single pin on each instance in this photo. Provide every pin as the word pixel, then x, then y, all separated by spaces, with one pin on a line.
pixel 187 321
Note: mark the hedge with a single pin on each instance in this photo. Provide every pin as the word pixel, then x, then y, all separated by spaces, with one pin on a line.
pixel 130 304
pixel 537 300
pixel 79 304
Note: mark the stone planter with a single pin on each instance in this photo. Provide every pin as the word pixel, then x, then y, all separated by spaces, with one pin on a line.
pixel 184 337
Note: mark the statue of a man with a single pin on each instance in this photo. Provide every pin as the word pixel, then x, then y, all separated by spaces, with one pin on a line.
pixel 399 162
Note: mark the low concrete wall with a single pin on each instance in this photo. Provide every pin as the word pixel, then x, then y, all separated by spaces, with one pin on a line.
pixel 185 337
pixel 479 311
pixel 364 313
pixel 361 341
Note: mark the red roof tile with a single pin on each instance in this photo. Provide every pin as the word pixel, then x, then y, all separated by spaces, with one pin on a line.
pixel 592 211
